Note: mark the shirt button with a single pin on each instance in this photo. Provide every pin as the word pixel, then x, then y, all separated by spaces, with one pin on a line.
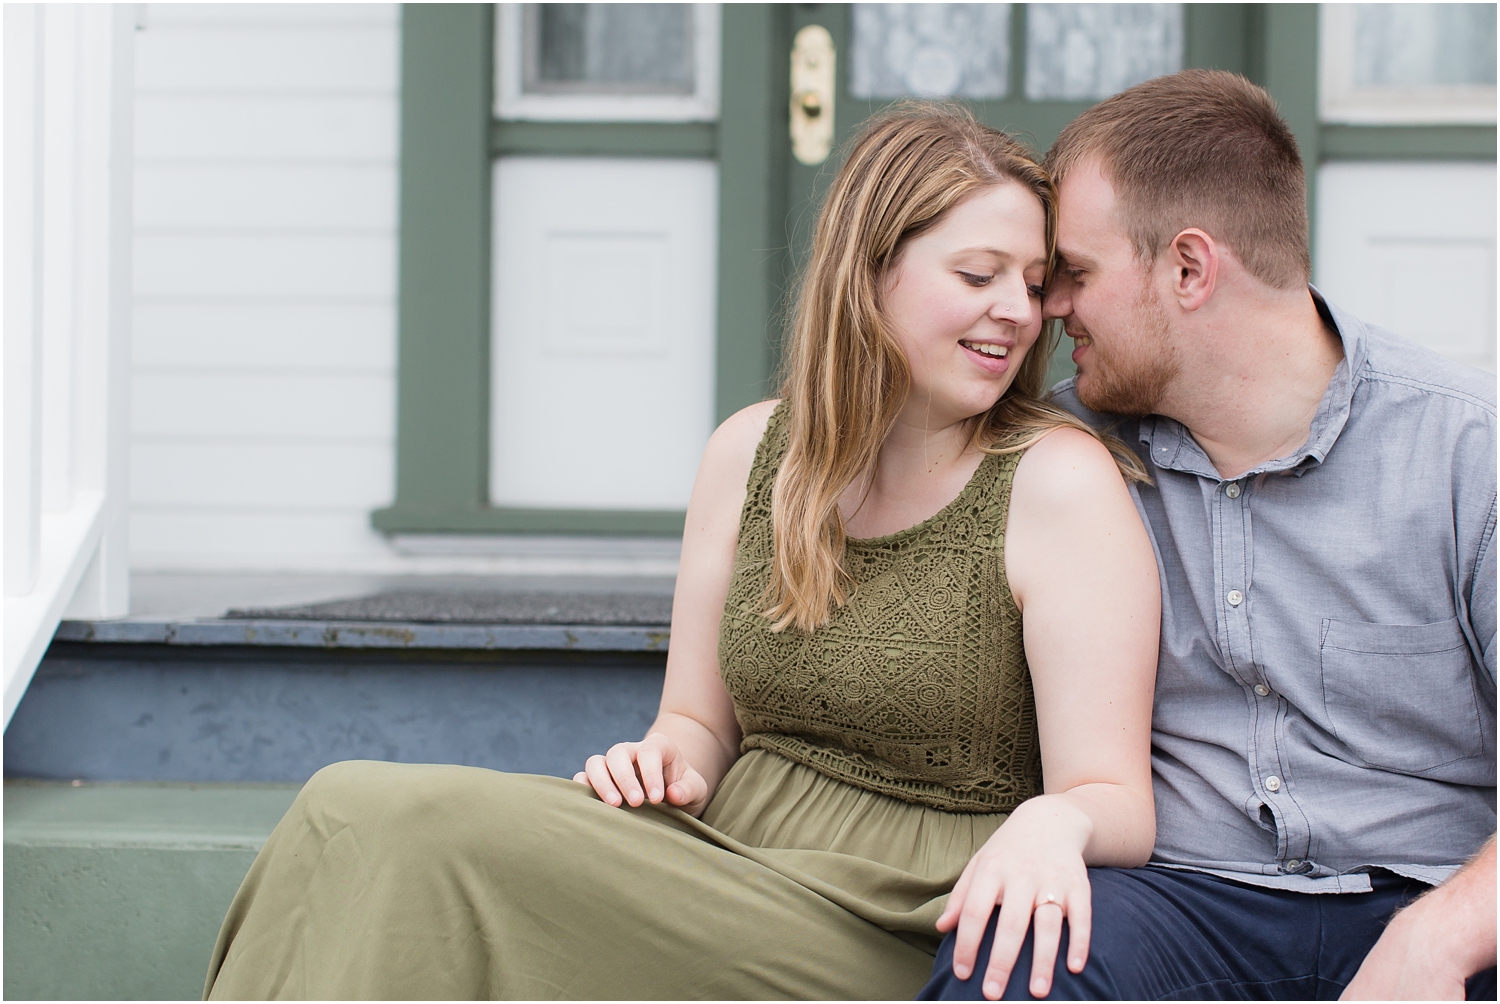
pixel 1293 865
pixel 1273 783
pixel 1261 690
pixel 1235 597
pixel 1232 489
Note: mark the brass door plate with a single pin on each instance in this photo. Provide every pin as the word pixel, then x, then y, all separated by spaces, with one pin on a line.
pixel 812 94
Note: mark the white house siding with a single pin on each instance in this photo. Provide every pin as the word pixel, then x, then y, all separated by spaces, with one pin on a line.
pixel 264 344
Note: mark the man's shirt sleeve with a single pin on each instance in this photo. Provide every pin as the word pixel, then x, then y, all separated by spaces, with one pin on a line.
pixel 1482 598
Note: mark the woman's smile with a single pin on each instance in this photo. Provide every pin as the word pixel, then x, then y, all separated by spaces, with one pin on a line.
pixel 992 356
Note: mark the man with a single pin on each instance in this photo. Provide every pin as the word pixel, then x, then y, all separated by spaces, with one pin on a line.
pixel 1323 512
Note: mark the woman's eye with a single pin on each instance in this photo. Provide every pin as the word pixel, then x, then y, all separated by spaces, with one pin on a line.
pixel 976 280
pixel 1035 290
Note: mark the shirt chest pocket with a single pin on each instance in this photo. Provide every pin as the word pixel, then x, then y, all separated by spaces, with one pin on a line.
pixel 1402 697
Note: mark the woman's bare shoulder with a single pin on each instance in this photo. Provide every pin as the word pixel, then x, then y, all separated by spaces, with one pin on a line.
pixel 1071 521
pixel 1067 469
pixel 731 449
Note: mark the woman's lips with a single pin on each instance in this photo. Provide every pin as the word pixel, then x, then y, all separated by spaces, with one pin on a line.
pixel 987 348
pixel 989 355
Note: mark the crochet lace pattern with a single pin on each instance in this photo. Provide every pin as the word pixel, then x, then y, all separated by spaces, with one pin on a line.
pixel 918 687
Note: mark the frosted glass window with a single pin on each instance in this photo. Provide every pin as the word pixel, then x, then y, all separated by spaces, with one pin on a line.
pixel 601 48
pixel 1086 52
pixel 1420 45
pixel 600 62
pixel 1390 64
pixel 935 50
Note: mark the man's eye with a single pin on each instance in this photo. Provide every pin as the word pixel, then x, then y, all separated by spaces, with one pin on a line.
pixel 976 280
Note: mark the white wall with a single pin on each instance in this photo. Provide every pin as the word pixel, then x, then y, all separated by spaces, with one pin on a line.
pixel 1411 247
pixel 265 256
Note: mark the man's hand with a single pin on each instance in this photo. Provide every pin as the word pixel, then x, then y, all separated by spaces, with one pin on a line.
pixel 1432 946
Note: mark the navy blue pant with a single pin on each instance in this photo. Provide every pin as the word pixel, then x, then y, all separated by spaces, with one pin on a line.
pixel 1169 935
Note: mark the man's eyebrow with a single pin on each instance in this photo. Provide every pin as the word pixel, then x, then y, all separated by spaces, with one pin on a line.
pixel 1074 258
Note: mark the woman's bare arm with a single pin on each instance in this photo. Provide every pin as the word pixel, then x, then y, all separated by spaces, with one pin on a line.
pixel 695 738
pixel 1083 573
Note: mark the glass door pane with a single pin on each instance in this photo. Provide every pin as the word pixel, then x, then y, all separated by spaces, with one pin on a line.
pixel 1086 52
pixel 596 48
pixel 930 50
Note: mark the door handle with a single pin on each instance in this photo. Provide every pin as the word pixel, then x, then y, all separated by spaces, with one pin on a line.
pixel 813 60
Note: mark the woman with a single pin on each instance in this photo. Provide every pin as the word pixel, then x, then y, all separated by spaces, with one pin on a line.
pixel 847 729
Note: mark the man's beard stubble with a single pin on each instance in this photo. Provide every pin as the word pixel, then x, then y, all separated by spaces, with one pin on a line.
pixel 1132 378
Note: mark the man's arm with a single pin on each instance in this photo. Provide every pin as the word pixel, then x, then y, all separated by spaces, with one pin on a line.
pixel 1432 946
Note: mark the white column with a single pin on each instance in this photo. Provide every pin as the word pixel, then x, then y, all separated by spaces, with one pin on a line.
pixel 23 295
pixel 59 195
pixel 67 157
pixel 101 404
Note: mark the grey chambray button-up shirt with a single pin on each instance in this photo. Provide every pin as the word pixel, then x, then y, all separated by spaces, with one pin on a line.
pixel 1325 698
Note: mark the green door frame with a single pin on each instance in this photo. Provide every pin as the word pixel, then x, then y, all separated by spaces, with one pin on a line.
pixel 767 207
pixel 448 140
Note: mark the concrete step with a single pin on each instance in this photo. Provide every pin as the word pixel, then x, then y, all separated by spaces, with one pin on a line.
pixel 116 891
pixel 269 678
pixel 132 712
pixel 189 713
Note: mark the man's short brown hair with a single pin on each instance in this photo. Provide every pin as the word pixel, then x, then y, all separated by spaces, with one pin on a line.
pixel 1200 148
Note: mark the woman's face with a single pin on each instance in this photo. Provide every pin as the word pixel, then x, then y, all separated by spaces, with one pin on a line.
pixel 964 301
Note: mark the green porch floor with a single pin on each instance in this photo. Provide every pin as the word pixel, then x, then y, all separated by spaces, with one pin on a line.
pixel 116 891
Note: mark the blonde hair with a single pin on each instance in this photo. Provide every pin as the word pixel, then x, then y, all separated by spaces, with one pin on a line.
pixel 845 376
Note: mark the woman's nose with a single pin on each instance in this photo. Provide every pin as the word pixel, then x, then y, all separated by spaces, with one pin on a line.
pixel 1012 303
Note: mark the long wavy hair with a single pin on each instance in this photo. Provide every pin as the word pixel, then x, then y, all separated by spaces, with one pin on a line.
pixel 845 376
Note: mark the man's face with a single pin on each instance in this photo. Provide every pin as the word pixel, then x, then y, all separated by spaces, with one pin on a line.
pixel 1107 302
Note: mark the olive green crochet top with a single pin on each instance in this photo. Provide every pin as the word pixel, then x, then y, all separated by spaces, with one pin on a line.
pixel 918 687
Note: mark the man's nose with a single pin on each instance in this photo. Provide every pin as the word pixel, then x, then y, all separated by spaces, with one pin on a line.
pixel 1058 302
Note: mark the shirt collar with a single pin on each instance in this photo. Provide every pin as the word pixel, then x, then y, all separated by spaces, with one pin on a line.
pixel 1172 447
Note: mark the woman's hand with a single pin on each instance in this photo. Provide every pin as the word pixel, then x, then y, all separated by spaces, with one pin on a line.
pixel 695 738
pixel 1033 867
pixel 651 770
pixel 1084 576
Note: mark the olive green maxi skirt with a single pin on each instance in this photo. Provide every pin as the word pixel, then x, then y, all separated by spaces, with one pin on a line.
pixel 423 881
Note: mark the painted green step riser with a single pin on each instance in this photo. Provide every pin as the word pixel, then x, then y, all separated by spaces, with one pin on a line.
pixel 92 923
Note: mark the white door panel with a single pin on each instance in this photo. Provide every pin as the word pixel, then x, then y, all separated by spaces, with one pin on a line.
pixel 1411 247
pixel 603 330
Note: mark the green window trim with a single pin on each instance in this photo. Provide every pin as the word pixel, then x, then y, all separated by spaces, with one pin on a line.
pixel 767 208
pixel 1424 142
pixel 491 519
pixel 605 139
pixel 443 287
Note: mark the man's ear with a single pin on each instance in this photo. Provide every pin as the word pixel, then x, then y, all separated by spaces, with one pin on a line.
pixel 1195 259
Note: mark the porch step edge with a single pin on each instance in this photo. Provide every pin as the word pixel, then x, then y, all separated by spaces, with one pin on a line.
pixel 371 635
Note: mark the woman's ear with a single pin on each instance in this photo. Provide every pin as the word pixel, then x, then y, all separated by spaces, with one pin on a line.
pixel 1195 258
